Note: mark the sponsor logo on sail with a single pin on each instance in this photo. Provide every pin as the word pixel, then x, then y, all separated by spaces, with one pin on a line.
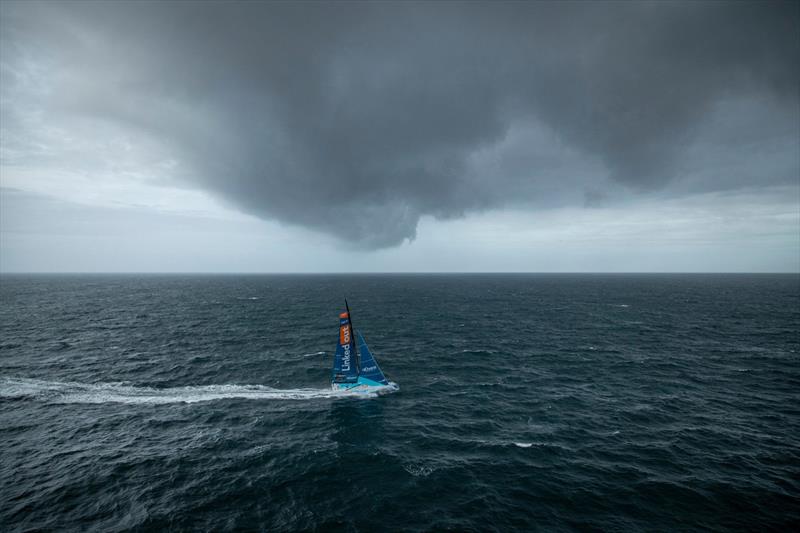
pixel 344 340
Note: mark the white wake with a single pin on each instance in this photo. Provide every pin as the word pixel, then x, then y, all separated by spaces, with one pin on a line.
pixel 67 392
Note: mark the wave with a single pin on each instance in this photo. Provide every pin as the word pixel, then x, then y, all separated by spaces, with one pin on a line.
pixel 418 470
pixel 69 392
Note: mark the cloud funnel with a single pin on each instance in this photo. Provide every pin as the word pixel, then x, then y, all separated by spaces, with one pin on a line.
pixel 356 119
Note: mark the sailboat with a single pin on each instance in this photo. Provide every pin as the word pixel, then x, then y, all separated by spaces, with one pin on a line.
pixel 354 367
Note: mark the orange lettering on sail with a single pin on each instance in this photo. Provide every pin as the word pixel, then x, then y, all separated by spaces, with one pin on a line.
pixel 344 335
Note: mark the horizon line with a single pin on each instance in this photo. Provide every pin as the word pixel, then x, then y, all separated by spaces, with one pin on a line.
pixel 321 273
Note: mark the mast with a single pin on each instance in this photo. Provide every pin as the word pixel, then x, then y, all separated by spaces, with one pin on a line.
pixel 353 337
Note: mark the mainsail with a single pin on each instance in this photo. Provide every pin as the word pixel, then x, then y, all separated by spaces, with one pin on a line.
pixel 345 363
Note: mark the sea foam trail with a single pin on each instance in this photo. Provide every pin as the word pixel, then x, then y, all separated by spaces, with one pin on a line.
pixel 66 392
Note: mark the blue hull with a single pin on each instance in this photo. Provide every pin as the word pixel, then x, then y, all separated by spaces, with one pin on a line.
pixel 363 385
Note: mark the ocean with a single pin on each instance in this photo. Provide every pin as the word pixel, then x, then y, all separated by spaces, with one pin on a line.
pixel 525 403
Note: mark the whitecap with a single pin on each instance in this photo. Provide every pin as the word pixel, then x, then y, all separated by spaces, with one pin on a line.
pixel 418 470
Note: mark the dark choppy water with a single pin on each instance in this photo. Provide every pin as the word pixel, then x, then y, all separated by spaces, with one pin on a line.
pixel 526 402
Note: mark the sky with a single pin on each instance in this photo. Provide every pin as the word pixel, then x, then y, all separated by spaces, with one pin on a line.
pixel 399 137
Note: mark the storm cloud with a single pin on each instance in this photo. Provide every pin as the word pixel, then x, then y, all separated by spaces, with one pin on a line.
pixel 356 119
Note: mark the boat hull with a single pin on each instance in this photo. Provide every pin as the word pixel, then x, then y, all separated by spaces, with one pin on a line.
pixel 363 385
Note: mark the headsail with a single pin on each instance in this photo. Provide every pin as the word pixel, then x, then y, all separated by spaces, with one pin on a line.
pixel 345 364
pixel 369 368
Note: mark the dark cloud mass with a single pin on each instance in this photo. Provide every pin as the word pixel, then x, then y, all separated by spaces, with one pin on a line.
pixel 370 115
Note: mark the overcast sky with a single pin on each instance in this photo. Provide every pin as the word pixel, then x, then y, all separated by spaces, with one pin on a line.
pixel 336 137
